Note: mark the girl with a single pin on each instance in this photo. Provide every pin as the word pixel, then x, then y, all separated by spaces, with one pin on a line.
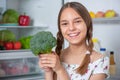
pixel 78 61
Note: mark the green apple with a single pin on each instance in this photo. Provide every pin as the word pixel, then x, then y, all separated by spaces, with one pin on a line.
pixel 110 13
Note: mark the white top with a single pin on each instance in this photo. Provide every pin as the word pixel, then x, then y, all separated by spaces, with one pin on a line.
pixel 99 66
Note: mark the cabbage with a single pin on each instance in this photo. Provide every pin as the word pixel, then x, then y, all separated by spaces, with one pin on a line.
pixel 10 16
pixel 7 35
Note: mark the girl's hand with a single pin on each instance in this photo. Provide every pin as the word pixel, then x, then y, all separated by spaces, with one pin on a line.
pixel 50 61
pixel 46 69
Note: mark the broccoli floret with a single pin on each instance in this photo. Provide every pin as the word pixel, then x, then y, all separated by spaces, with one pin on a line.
pixel 42 42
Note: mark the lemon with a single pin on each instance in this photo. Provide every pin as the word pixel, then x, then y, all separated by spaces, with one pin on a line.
pixel 92 14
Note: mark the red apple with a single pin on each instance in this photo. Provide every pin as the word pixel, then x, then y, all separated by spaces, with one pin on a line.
pixel 99 14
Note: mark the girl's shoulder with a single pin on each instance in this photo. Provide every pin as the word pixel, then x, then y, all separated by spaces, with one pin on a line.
pixel 95 56
pixel 100 64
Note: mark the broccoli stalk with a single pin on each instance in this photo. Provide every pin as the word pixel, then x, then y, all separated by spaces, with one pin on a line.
pixel 42 42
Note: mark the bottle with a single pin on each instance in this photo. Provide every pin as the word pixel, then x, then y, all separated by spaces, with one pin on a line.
pixel 112 63
pixel 103 51
pixel 96 44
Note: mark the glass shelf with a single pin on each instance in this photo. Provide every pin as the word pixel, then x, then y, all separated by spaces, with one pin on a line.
pixel 21 50
pixel 24 27
pixel 16 54
pixel 113 20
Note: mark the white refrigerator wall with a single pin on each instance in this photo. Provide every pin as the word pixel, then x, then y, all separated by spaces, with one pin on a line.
pixel 99 5
pixel 108 34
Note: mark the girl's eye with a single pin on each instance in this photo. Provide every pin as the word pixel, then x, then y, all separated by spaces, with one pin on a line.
pixel 63 24
pixel 78 21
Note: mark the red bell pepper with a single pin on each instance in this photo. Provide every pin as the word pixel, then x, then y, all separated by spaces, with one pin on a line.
pixel 24 20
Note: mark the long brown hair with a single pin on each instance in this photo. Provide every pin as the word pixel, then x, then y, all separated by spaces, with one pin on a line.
pixel 83 12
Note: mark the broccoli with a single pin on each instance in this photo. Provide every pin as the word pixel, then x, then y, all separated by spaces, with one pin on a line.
pixel 42 42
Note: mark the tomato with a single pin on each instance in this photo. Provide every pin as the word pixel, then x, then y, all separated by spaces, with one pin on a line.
pixel 8 45
pixel 17 45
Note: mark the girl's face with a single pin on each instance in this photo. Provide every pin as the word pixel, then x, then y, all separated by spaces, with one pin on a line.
pixel 72 26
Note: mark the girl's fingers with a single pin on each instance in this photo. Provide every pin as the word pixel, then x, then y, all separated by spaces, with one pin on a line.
pixel 48 58
pixel 48 65
pixel 47 55
pixel 44 67
pixel 47 68
pixel 46 61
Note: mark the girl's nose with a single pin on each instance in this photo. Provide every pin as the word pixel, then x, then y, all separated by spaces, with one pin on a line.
pixel 71 27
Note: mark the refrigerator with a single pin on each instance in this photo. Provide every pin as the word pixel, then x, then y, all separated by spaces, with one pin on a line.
pixel 43 15
pixel 23 64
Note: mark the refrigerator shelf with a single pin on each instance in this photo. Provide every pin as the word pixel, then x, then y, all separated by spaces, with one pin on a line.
pixel 107 20
pixel 24 27
pixel 16 54
pixel 36 76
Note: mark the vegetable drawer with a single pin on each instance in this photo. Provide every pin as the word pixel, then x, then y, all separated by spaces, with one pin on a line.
pixel 17 63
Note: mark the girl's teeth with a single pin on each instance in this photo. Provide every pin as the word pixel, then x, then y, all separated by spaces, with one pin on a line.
pixel 73 34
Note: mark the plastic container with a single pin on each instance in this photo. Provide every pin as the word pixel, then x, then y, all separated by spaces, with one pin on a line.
pixel 97 45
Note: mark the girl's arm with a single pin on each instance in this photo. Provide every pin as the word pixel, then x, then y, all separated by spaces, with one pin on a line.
pixel 48 75
pixel 62 74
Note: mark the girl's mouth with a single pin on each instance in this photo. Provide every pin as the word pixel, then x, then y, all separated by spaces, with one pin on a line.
pixel 74 34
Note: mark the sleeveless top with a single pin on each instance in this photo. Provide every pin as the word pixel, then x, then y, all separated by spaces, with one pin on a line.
pixel 99 66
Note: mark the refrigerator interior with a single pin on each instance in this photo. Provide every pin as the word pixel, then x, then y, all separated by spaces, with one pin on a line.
pixel 42 18
pixel 46 13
